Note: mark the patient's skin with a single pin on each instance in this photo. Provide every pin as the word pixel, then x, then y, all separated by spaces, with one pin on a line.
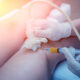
pixel 28 65
pixel 12 37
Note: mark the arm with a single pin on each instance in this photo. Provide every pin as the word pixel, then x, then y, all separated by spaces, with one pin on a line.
pixel 28 65
pixel 11 37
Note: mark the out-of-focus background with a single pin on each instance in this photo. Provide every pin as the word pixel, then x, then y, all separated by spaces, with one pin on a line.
pixel 8 5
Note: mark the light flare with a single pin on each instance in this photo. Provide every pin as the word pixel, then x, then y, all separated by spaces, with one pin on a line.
pixel 0 1
pixel 7 6
pixel 9 14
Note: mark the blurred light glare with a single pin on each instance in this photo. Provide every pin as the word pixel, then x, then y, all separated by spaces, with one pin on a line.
pixel 9 14
pixel 7 6
pixel 0 0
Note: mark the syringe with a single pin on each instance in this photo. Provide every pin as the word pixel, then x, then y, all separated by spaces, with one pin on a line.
pixel 59 50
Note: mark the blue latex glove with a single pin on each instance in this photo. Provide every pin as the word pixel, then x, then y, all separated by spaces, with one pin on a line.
pixel 72 60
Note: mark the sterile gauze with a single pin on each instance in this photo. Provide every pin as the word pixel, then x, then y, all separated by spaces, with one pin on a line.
pixel 55 14
pixel 58 30
pixel 33 42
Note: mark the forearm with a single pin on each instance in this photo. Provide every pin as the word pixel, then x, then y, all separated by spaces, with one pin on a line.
pixel 29 66
pixel 11 38
pixel 25 66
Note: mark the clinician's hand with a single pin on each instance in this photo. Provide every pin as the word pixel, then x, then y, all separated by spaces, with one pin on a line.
pixel 73 63
pixel 56 27
pixel 53 30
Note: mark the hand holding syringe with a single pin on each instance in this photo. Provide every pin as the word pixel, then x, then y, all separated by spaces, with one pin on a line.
pixel 69 53
pixel 60 50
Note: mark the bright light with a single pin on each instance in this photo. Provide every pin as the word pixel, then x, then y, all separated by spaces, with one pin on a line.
pixel 4 7
pixel 9 14
pixel 0 0
pixel 7 6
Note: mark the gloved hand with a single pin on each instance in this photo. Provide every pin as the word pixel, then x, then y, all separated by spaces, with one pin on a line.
pixel 55 14
pixel 54 30
pixel 73 62
pixel 33 42
pixel 55 27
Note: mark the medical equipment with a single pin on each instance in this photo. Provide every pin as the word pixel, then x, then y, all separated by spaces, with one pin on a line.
pixel 73 61
pixel 59 50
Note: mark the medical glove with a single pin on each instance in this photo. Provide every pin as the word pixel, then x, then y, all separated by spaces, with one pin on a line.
pixel 55 14
pixel 73 62
pixel 53 30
